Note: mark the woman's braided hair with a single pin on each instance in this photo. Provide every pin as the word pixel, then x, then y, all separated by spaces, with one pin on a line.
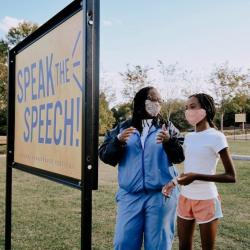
pixel 139 111
pixel 207 102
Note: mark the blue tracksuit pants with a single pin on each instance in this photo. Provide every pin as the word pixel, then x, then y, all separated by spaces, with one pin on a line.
pixel 145 216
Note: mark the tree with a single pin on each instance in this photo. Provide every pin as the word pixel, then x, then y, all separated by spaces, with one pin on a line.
pixel 177 113
pixel 3 73
pixel 106 118
pixel 122 112
pixel 235 106
pixel 17 34
pixel 107 82
pixel 170 106
pixel 134 79
pixel 3 51
pixel 226 82
pixel 179 120
pixel 14 36
pixel 195 83
pixel 3 120
pixel 172 77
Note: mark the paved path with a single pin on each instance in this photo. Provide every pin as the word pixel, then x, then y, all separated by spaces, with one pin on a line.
pixel 239 137
pixel 241 157
pixel 3 139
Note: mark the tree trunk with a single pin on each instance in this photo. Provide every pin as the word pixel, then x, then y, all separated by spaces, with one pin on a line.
pixel 221 121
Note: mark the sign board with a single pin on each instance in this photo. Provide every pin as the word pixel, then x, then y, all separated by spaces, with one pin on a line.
pixel 53 107
pixel 54 93
pixel 240 117
pixel 48 101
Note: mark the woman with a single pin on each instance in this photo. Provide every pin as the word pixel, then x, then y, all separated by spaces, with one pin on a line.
pixel 199 200
pixel 145 148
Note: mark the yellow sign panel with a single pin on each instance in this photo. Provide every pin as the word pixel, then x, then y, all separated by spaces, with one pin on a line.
pixel 240 117
pixel 48 100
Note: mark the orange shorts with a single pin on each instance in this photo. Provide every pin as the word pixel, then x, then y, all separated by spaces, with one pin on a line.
pixel 203 211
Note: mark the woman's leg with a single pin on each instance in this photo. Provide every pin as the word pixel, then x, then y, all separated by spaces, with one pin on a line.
pixel 160 221
pixel 208 234
pixel 185 233
pixel 129 222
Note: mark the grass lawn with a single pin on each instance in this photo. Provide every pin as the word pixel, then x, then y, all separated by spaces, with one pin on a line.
pixel 239 147
pixel 2 149
pixel 46 215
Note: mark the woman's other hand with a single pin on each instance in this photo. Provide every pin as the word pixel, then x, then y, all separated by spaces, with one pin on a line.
pixel 163 135
pixel 125 134
pixel 167 189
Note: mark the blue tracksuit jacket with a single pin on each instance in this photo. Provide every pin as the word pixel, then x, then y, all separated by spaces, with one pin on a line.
pixel 142 172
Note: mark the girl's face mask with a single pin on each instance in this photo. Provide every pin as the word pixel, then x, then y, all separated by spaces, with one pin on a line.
pixel 152 108
pixel 194 116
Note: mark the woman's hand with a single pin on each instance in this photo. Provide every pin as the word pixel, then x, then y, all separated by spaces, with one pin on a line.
pixel 167 189
pixel 185 179
pixel 163 135
pixel 125 134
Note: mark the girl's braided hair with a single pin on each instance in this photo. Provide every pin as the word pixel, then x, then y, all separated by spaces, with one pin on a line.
pixel 207 102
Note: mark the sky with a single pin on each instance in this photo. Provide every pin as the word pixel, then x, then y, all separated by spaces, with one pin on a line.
pixel 197 34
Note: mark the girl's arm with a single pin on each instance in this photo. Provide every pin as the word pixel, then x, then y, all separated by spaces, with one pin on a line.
pixel 228 176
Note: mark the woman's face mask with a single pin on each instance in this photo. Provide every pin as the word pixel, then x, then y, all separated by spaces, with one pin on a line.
pixel 194 116
pixel 152 107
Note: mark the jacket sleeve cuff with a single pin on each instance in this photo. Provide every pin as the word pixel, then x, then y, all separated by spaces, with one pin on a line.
pixel 170 142
pixel 118 142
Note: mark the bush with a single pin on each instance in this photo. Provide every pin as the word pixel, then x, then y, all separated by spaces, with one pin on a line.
pixel 3 121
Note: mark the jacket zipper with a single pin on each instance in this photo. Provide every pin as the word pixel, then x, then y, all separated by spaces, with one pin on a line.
pixel 143 169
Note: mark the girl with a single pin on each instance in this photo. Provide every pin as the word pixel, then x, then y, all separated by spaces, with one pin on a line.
pixel 199 200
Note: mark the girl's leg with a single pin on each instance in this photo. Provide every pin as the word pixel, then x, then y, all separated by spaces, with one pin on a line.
pixel 185 233
pixel 208 234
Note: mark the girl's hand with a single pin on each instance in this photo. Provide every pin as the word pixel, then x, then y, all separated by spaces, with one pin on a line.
pixel 163 135
pixel 167 189
pixel 185 179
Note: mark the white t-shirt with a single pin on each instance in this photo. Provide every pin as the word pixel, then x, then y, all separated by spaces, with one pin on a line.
pixel 201 156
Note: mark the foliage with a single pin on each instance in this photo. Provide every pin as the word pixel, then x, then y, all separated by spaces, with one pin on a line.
pixel 122 112
pixel 3 51
pixel 106 118
pixel 107 81
pixel 236 106
pixel 171 76
pixel 3 74
pixel 3 85
pixel 3 121
pixel 14 36
pixel 171 106
pixel 227 83
pixel 17 34
pixel 134 79
pixel 177 116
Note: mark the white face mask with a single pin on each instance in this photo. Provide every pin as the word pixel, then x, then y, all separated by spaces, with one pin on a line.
pixel 152 108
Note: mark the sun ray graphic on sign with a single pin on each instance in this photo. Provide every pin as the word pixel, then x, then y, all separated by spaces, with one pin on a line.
pixel 77 63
